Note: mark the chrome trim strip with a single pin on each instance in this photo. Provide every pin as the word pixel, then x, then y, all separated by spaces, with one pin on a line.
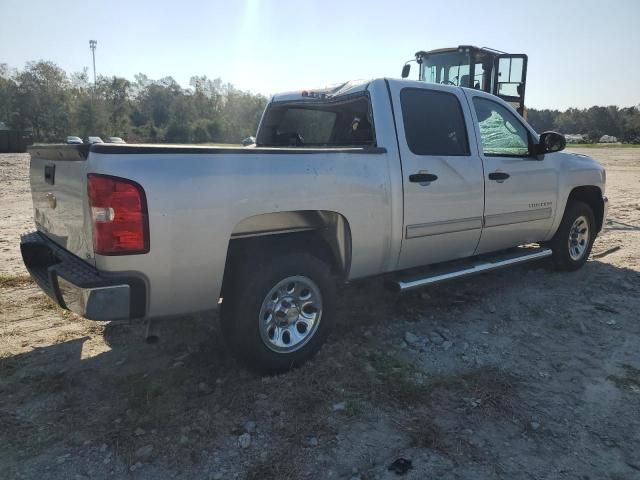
pixel 446 226
pixel 517 217
pixel 132 149
pixel 483 267
pixel 272 232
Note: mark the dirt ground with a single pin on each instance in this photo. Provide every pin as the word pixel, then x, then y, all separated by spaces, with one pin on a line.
pixel 519 374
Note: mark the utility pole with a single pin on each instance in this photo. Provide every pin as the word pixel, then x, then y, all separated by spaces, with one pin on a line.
pixel 92 46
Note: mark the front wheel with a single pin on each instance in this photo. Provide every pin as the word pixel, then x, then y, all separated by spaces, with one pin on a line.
pixel 572 242
pixel 278 312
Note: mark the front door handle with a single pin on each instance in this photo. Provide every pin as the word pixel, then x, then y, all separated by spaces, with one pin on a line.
pixel 422 178
pixel 498 176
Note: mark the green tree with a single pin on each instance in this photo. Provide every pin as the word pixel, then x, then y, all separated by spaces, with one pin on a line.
pixel 8 94
pixel 115 92
pixel 92 117
pixel 543 120
pixel 42 100
pixel 630 125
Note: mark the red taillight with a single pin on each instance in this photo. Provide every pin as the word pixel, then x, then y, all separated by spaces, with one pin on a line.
pixel 118 215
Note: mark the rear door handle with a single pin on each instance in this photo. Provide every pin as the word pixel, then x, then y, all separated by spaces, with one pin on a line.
pixel 50 174
pixel 498 176
pixel 422 178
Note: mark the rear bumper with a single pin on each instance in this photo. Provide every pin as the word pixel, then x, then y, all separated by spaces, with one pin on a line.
pixel 79 287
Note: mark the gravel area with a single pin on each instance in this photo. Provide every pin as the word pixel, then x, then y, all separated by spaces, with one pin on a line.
pixel 522 373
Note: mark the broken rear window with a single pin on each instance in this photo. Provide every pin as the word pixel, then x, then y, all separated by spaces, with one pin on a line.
pixel 330 123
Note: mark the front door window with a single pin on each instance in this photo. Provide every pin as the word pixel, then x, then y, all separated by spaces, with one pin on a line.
pixel 501 133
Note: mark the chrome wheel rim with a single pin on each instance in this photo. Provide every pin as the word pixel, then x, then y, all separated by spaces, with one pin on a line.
pixel 578 238
pixel 290 314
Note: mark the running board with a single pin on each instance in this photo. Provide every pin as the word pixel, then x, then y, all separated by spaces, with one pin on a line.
pixel 472 266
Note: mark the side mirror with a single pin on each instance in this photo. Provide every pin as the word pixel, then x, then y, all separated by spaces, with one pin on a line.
pixel 551 142
pixel 405 70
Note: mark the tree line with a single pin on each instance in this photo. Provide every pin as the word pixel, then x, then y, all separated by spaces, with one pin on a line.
pixel 51 104
pixel 593 122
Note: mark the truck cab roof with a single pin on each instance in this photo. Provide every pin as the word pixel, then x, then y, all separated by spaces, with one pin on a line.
pixel 350 87
pixel 323 93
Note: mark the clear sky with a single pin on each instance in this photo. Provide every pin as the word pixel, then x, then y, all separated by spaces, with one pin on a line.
pixel 581 52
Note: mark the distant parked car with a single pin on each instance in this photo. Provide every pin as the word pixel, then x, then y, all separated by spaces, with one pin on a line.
pixel 91 140
pixel 249 141
pixel 71 140
pixel 115 140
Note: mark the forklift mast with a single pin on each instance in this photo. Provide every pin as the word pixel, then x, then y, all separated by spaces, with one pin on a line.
pixel 499 73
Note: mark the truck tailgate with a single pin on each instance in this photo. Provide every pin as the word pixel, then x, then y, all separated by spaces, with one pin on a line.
pixel 59 192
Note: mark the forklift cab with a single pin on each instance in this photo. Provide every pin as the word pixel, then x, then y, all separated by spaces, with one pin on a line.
pixel 485 69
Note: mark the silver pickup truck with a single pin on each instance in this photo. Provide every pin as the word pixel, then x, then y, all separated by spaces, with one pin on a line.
pixel 415 182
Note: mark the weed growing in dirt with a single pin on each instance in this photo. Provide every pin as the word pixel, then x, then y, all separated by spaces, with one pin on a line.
pixel 355 408
pixel 486 389
pixel 630 380
pixel 12 281
pixel 273 470
pixel 142 394
pixel 424 433
pixel 396 379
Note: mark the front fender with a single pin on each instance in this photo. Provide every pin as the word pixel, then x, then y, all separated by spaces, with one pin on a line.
pixel 575 170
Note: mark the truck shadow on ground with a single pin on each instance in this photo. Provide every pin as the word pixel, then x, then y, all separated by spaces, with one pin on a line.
pixel 188 395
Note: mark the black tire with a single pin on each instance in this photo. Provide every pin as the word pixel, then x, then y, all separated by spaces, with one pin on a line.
pixel 254 277
pixel 562 257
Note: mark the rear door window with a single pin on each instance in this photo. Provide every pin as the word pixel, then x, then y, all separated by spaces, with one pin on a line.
pixel 433 123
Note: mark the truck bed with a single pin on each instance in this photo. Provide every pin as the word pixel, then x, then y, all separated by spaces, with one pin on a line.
pixel 201 197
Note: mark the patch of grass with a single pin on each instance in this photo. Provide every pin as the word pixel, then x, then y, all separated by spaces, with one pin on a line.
pixel 43 302
pixel 12 281
pixel 305 395
pixel 17 432
pixel 355 408
pixel 47 304
pixel 392 380
pixel 483 393
pixel 629 381
pixel 396 379
pixel 424 433
pixel 142 393
pixel 279 467
pixel 602 145
pixel 48 383
pixel 220 144
pixel 486 389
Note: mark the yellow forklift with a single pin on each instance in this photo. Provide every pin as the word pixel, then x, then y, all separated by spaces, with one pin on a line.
pixel 500 73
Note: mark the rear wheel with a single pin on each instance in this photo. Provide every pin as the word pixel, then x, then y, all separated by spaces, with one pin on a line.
pixel 277 312
pixel 572 242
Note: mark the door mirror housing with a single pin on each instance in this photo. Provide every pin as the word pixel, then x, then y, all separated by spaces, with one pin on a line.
pixel 551 142
pixel 405 70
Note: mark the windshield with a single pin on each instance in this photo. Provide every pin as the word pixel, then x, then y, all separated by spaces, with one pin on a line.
pixel 448 68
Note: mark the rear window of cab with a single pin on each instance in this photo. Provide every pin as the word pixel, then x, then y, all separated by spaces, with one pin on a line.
pixel 344 122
